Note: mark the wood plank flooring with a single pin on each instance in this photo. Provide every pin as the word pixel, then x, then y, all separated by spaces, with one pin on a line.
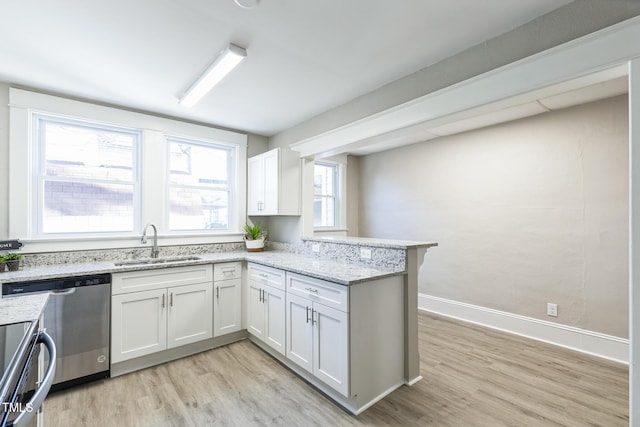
pixel 473 376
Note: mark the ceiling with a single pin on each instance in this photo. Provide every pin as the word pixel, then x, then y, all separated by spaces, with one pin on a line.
pixel 303 57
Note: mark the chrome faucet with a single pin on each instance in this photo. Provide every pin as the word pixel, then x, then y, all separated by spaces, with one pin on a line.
pixel 154 249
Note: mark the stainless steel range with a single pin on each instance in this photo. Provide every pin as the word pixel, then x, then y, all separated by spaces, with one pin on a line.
pixel 21 394
pixel 77 317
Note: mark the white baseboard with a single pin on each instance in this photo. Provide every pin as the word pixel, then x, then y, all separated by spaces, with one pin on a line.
pixel 594 343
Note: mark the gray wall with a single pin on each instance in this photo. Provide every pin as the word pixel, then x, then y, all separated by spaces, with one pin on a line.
pixel 4 161
pixel 564 24
pixel 527 212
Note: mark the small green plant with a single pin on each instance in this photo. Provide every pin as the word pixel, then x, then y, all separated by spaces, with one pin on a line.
pixel 253 232
pixel 12 261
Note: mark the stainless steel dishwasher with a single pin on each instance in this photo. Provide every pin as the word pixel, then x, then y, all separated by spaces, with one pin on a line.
pixel 77 317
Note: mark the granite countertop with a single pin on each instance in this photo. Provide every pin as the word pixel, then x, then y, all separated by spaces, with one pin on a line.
pixel 337 272
pixel 368 241
pixel 24 308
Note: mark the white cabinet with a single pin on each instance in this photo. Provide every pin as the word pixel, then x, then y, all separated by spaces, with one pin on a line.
pixel 317 334
pixel 138 325
pixel 266 305
pixel 160 317
pixel 274 183
pixel 227 307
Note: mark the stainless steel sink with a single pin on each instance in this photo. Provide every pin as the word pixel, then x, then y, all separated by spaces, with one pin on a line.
pixel 164 260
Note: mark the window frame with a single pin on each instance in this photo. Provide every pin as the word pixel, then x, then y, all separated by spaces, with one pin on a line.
pixel 23 105
pixel 339 195
pixel 38 172
pixel 231 186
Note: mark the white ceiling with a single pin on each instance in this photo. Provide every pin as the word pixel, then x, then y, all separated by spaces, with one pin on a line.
pixel 303 57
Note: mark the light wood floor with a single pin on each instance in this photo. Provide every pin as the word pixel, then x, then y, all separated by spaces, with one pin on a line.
pixel 472 377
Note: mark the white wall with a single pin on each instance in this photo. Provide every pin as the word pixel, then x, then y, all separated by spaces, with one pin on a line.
pixel 526 213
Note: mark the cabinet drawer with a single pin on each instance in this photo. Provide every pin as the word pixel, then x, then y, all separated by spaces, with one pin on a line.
pixel 266 275
pixel 144 280
pixel 327 293
pixel 227 271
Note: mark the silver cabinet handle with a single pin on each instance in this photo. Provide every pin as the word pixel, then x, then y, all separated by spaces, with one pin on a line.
pixel 163 295
pixel 218 293
pixel 266 276
pixel 315 291
pixel 171 300
pixel 314 318
pixel 307 314
pixel 261 300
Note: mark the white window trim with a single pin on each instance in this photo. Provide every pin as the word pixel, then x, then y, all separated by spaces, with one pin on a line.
pixel 341 195
pixel 22 105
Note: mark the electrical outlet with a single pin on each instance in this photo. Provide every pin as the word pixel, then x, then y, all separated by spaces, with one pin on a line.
pixel 365 253
pixel 552 309
pixel 315 248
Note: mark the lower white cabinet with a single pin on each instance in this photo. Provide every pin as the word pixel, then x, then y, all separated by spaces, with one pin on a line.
pixel 318 340
pixel 138 324
pixel 266 306
pixel 149 321
pixel 227 299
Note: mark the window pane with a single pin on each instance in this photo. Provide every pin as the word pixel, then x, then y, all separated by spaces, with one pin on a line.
pixel 324 212
pixel 198 209
pixel 198 165
pixel 324 179
pixel 199 185
pixel 87 180
pixel 74 150
pixel 76 207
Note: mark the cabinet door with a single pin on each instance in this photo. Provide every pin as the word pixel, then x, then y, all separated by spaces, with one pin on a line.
pixel 190 314
pixel 271 167
pixel 255 310
pixel 330 347
pixel 226 308
pixel 274 322
pixel 299 331
pixel 255 198
pixel 138 324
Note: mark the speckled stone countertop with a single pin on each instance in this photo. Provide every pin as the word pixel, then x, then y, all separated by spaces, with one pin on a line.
pixel 334 271
pixel 368 241
pixel 25 308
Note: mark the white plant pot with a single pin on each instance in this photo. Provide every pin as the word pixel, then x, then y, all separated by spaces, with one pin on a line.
pixel 255 245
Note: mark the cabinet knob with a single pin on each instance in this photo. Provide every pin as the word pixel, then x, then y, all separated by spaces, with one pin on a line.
pixel 315 291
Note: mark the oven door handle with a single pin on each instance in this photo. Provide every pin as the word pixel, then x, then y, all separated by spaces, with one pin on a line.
pixel 43 389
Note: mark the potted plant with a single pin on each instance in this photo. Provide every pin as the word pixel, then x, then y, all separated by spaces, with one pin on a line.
pixel 13 261
pixel 254 237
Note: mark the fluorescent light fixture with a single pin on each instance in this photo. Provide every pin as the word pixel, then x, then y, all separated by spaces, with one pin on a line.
pixel 224 63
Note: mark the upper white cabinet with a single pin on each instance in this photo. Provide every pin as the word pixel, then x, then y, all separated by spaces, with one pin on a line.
pixel 274 183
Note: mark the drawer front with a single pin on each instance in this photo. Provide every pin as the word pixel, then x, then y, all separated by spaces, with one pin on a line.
pixel 268 276
pixel 144 280
pixel 227 271
pixel 327 293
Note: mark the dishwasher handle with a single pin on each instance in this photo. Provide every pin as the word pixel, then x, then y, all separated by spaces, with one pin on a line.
pixel 62 292
pixel 43 389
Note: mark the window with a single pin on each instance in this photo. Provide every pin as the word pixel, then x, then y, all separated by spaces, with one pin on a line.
pixel 87 177
pixel 200 185
pixel 78 171
pixel 325 185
